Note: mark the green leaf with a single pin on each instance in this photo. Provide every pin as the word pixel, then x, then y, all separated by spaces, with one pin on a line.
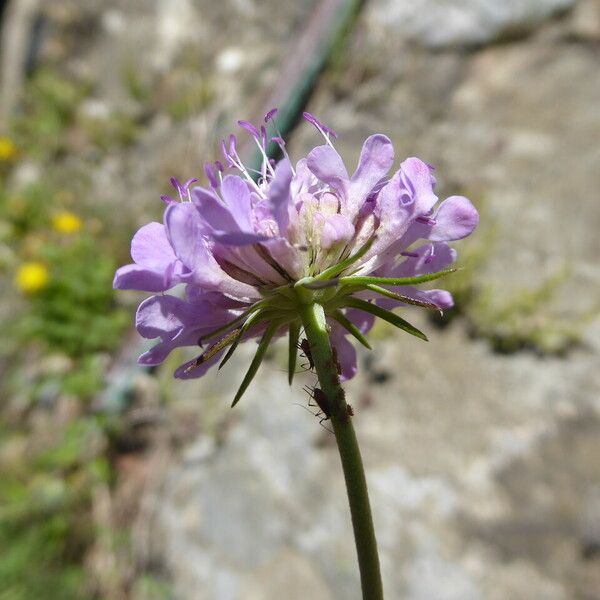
pixel 294 336
pixel 240 332
pixel 400 297
pixel 312 283
pixel 386 315
pixel 258 357
pixel 350 327
pixel 395 280
pixel 225 341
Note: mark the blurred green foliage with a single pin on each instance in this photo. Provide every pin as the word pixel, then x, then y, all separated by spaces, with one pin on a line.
pixel 194 96
pixel 45 523
pixel 104 132
pixel 54 451
pixel 525 320
pixel 521 320
pixel 21 214
pixel 48 111
pixel 184 91
pixel 76 312
pixel 135 86
pixel 53 121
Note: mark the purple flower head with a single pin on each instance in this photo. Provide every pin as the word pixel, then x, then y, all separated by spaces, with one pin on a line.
pixel 249 250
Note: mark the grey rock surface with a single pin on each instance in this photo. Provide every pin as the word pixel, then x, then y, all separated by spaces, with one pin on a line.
pixel 585 22
pixel 456 23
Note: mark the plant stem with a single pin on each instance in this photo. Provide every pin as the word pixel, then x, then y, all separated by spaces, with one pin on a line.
pixel 315 328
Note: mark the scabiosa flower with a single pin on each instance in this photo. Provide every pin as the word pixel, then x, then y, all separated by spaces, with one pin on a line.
pixel 253 245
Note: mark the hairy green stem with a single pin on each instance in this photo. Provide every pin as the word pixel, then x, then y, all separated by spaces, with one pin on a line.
pixel 315 328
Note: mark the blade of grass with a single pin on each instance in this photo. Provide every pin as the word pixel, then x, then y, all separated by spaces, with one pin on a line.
pixel 256 361
pixel 251 320
pixel 400 297
pixel 225 341
pixel 232 323
pixel 344 264
pixel 366 280
pixel 386 315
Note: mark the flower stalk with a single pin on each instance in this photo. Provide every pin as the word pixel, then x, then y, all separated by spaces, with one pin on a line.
pixel 300 246
pixel 315 329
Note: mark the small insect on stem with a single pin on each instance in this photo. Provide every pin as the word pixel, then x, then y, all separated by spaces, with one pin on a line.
pixel 349 410
pixel 322 402
pixel 305 347
pixel 336 362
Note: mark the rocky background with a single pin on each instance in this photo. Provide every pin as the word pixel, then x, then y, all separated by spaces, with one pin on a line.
pixel 482 447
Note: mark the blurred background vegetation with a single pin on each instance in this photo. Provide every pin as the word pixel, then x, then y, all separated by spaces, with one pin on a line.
pixel 61 321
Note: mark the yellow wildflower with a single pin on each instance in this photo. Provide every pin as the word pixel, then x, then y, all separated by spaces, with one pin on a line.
pixel 31 277
pixel 66 222
pixel 8 150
